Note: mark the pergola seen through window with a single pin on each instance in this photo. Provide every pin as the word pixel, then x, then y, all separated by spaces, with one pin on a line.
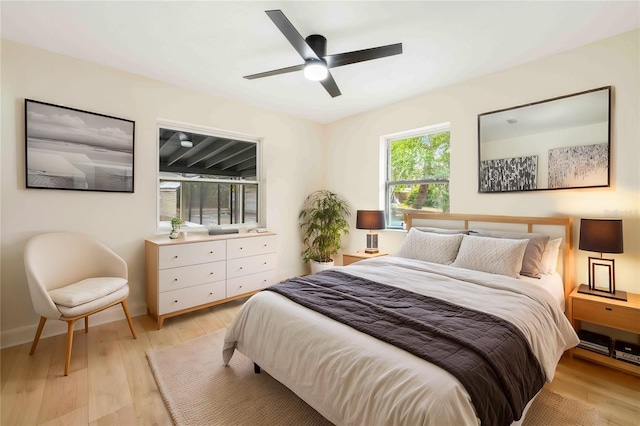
pixel 207 179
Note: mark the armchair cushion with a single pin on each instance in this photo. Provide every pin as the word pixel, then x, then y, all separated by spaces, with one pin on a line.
pixel 94 305
pixel 86 291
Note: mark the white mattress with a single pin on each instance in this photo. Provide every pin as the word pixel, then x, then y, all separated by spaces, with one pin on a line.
pixel 551 283
pixel 353 378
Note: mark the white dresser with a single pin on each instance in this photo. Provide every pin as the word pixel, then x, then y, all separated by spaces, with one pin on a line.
pixel 186 274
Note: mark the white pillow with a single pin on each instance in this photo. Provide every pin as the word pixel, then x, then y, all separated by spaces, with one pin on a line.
pixel 440 230
pixel 430 247
pixel 500 256
pixel 549 260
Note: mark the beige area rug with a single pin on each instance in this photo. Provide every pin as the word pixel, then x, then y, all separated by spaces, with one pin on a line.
pixel 199 390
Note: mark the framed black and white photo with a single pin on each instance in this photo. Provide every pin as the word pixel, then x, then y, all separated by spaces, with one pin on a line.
pixel 68 148
pixel 579 166
pixel 509 174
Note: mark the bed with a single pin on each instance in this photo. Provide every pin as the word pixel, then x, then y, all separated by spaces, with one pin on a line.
pixel 351 377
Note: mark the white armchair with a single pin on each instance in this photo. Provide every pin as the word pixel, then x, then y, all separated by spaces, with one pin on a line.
pixel 72 276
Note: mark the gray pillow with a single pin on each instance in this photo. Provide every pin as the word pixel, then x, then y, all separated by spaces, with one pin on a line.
pixel 533 252
pixel 441 230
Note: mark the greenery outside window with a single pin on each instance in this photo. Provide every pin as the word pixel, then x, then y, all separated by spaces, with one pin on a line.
pixel 207 177
pixel 417 173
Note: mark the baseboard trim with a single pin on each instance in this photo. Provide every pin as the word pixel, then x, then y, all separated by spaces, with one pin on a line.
pixel 20 335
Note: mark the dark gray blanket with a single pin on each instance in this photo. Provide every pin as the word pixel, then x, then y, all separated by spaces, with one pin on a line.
pixel 488 355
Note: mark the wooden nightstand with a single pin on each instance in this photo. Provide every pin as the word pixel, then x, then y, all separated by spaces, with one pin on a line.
pixel 613 314
pixel 349 258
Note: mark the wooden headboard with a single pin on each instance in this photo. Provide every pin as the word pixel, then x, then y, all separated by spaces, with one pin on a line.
pixel 553 226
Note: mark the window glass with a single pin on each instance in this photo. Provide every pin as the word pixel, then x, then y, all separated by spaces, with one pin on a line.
pixel 206 179
pixel 417 174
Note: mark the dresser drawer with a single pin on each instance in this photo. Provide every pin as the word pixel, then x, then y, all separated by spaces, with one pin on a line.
pixel 185 298
pixel 176 255
pixel 187 276
pixel 248 283
pixel 607 314
pixel 250 246
pixel 251 265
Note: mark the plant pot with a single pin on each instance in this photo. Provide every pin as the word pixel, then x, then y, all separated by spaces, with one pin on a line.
pixel 174 234
pixel 320 266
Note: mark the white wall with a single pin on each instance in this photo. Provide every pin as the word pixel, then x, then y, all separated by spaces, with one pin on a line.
pixel 292 164
pixel 353 153
pixel 299 157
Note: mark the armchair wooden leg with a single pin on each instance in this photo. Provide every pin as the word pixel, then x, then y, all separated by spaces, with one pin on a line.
pixel 38 333
pixel 67 362
pixel 86 324
pixel 126 313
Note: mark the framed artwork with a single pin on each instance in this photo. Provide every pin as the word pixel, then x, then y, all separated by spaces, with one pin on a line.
pixel 509 174
pixel 71 149
pixel 579 166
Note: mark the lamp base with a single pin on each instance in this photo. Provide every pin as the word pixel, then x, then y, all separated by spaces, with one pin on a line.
pixel 618 294
pixel 372 243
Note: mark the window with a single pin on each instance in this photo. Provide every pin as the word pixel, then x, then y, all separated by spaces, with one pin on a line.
pixel 207 177
pixel 417 173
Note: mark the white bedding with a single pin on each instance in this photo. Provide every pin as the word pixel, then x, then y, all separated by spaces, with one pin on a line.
pixel 551 283
pixel 352 378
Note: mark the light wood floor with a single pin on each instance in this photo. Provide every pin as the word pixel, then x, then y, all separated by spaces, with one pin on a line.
pixel 110 381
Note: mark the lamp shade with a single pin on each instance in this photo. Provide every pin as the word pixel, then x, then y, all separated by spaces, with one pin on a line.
pixel 370 219
pixel 601 235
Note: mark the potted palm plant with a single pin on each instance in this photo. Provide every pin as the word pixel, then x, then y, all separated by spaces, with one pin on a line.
pixel 323 223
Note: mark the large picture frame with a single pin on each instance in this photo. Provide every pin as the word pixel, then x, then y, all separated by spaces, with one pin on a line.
pixel 563 132
pixel 72 149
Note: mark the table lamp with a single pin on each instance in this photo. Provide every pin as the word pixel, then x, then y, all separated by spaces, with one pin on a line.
pixel 370 219
pixel 603 236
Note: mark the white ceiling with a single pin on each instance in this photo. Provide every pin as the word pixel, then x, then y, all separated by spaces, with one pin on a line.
pixel 209 45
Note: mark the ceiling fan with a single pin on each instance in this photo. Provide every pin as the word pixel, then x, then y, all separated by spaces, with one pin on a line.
pixel 313 50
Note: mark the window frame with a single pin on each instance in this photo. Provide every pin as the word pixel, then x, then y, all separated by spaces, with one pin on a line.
pixel 165 226
pixel 386 166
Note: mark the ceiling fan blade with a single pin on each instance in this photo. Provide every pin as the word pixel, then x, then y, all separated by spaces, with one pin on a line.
pixel 347 58
pixel 330 85
pixel 291 34
pixel 275 72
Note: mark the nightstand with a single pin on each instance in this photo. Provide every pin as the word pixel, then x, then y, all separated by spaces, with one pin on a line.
pixel 349 258
pixel 611 313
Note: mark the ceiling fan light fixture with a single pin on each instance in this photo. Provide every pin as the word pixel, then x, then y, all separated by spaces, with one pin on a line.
pixel 184 140
pixel 315 70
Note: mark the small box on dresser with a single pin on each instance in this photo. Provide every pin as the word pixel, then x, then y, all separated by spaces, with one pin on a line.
pixel 615 315
pixel 183 275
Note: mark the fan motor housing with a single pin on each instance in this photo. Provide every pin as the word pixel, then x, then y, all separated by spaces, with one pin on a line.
pixel 318 44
